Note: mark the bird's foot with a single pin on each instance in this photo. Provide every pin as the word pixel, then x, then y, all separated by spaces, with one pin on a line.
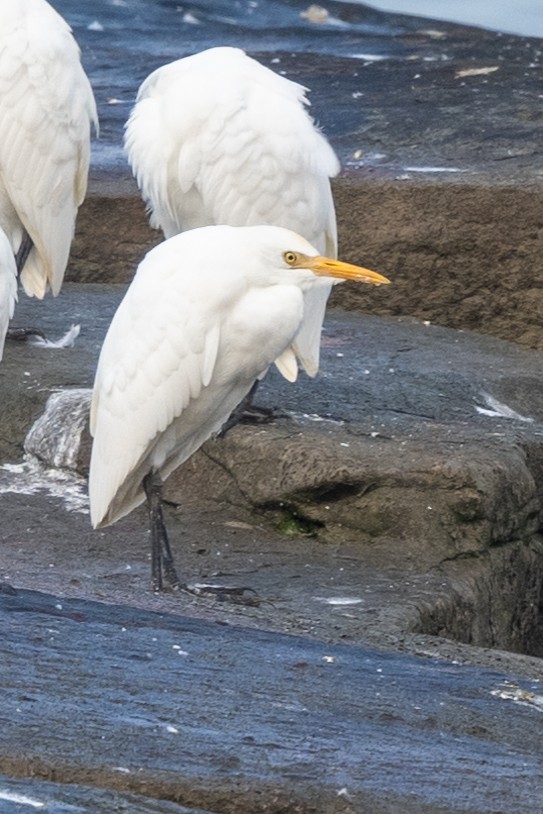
pixel 225 593
pixel 251 414
pixel 22 334
pixel 166 578
pixel 165 585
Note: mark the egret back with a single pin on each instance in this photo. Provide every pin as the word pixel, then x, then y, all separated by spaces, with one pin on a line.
pixel 220 128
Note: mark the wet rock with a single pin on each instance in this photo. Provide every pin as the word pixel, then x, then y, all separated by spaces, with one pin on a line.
pixel 233 720
pixel 56 436
pixel 20 794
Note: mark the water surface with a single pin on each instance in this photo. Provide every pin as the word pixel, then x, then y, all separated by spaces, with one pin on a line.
pixel 520 17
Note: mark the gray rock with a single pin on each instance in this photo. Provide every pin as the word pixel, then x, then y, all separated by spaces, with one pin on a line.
pixel 234 720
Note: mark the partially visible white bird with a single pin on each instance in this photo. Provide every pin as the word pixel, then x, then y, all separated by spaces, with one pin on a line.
pixel 47 109
pixel 217 138
pixel 8 286
pixel 207 312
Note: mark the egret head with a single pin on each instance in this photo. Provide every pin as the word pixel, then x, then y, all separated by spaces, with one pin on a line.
pixel 284 250
pixel 263 255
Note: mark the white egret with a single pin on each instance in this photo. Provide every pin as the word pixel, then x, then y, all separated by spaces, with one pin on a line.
pixel 217 138
pixel 47 109
pixel 207 312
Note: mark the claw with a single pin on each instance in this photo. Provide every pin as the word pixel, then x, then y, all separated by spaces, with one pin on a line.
pixel 225 593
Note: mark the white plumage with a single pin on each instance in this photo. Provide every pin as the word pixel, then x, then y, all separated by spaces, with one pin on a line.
pixel 217 138
pixel 8 287
pixel 46 111
pixel 207 312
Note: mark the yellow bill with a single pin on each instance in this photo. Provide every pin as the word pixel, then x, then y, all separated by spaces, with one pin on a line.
pixel 327 267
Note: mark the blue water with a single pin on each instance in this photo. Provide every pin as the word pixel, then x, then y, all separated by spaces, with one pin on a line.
pixel 509 16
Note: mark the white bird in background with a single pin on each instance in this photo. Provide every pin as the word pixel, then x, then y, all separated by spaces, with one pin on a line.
pixel 47 109
pixel 207 312
pixel 217 138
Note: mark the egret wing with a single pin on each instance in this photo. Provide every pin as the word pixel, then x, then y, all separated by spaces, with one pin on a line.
pixel 159 353
pixel 307 343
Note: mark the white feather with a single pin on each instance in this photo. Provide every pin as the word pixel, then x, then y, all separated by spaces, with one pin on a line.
pixel 217 138
pixel 8 287
pixel 67 340
pixel 286 365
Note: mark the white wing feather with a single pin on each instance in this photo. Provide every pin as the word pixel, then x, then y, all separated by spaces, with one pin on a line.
pixel 144 383
pixel 46 111
pixel 8 287
pixel 218 138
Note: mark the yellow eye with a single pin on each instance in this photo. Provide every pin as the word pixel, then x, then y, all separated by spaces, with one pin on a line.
pixel 290 258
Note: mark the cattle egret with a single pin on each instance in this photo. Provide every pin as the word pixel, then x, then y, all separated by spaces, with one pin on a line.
pixel 217 138
pixel 47 109
pixel 207 312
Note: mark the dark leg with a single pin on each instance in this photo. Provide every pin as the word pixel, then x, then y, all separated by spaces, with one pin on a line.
pixel 24 250
pixel 248 413
pixel 21 334
pixel 162 564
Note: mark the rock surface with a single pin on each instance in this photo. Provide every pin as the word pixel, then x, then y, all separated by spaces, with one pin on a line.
pixel 236 720
pixel 387 469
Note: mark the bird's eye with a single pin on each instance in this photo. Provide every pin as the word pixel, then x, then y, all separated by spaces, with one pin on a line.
pixel 290 258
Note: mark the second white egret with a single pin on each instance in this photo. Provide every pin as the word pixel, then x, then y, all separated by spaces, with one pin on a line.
pixel 218 138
